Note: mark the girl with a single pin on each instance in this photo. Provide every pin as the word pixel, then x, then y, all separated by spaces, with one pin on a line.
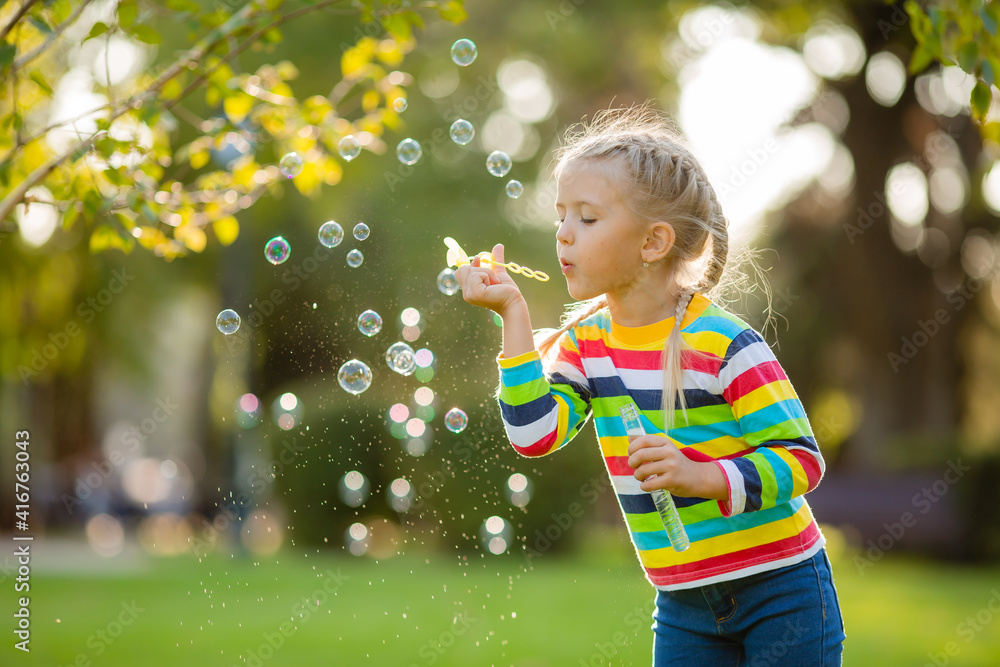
pixel 643 243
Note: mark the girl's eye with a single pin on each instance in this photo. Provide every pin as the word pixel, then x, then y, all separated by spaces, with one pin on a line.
pixel 588 220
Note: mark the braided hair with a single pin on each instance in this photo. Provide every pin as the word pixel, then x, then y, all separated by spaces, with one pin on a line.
pixel 659 179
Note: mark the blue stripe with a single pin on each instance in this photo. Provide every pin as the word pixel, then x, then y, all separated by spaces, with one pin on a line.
pixel 745 339
pixel 782 474
pixel 608 386
pixel 716 324
pixel 529 371
pixel 642 503
pixel 690 435
pixel 751 483
pixel 714 527
pixel 771 415
pixel 527 413
pixel 559 379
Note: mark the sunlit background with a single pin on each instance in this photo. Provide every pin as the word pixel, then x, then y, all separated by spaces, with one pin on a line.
pixel 219 479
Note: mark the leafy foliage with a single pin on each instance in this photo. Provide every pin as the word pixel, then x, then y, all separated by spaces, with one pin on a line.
pixel 126 169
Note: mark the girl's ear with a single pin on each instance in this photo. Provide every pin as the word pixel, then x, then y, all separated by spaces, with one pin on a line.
pixel 659 240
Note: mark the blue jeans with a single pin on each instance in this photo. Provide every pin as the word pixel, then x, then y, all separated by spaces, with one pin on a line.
pixel 789 616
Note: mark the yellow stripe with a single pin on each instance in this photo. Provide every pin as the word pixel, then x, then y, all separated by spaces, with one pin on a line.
pixel 562 422
pixel 716 447
pixel 730 542
pixel 614 445
pixel 589 332
pixel 709 341
pixel 800 481
pixel 761 397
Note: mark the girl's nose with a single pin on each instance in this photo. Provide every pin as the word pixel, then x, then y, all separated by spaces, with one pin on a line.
pixel 562 233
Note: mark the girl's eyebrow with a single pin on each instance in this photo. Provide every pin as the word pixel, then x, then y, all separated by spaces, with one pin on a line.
pixel 580 202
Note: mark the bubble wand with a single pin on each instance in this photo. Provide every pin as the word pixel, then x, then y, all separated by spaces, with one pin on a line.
pixel 458 257
pixel 663 500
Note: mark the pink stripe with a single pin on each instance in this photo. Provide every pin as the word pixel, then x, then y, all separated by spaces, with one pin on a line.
pixel 538 448
pixel 753 378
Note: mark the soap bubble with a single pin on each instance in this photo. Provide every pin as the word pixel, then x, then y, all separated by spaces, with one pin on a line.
pixel 354 376
pixel 400 495
pixel 447 282
pixel 399 104
pixel 361 231
pixel 401 358
pixel 514 189
pixel 291 164
pixel 228 321
pixel 248 409
pixel 518 490
pixel 354 258
pixel 354 488
pixel 369 323
pixel 496 534
pixel 356 538
pixel 455 420
pixel 464 52
pixel 462 131
pixel 277 250
pixel 287 411
pixel 348 147
pixel 331 234
pixel 408 151
pixel 498 163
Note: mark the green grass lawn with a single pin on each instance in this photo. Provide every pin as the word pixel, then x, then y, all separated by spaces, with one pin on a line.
pixel 434 609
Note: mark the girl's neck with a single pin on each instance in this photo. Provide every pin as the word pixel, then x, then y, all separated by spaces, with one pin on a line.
pixel 641 306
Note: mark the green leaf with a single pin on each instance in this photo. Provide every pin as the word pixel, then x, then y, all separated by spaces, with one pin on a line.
pixel 97 30
pixel 40 81
pixel 397 26
pixel 127 11
pixel 968 56
pixel 144 33
pixel 184 6
pixel 989 71
pixel 105 237
pixel 980 98
pixel 989 22
pixel 40 25
pixel 921 58
pixel 453 11
pixel 106 146
pixel 7 53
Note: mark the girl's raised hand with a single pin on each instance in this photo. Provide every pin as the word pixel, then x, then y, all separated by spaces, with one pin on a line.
pixel 489 286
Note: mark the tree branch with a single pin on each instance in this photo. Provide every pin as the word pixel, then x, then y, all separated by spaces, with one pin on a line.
pixel 38 50
pixel 17 17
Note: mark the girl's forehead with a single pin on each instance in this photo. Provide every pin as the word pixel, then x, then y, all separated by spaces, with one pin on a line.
pixel 589 181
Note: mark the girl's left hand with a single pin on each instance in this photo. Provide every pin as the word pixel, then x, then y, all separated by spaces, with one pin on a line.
pixel 676 473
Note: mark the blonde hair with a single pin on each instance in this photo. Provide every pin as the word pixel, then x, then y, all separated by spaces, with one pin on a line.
pixel 659 180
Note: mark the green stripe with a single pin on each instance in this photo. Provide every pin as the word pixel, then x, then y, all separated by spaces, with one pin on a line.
pixel 524 393
pixel 768 484
pixel 786 430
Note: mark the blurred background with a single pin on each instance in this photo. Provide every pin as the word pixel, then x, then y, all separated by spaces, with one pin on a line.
pixel 225 499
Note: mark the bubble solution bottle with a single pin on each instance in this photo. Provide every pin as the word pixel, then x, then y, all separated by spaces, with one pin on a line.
pixel 662 499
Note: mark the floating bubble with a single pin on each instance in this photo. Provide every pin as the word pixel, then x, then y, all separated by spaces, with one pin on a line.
pixel 353 488
pixel 401 358
pixel 287 411
pixel 518 490
pixel 424 395
pixel 399 413
pixel 354 376
pixel 410 317
pixel 400 495
pixel 369 323
pixel 424 357
pixel 399 104
pixel 464 52
pixel 228 321
pixel 356 539
pixel 462 132
pixel 291 164
pixel 514 189
pixel 348 147
pixel 331 234
pixel 248 411
pixel 447 282
pixel 496 534
pixel 408 151
pixel 455 420
pixel 361 231
pixel 416 447
pixel 354 258
pixel 498 163
pixel 277 250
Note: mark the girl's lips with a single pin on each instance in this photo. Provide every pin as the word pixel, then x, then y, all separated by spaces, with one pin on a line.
pixel 565 267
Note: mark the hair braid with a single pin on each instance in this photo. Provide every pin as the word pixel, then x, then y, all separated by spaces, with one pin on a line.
pixel 673 372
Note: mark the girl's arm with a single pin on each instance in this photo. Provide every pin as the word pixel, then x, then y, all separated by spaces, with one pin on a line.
pixel 784 460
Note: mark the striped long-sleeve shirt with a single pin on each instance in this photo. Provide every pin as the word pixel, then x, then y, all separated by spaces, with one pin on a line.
pixel 742 414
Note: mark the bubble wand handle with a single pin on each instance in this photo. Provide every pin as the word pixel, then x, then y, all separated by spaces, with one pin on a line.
pixel 662 499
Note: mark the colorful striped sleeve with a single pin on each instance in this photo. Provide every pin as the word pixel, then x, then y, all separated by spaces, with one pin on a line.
pixel 783 461
pixel 543 411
